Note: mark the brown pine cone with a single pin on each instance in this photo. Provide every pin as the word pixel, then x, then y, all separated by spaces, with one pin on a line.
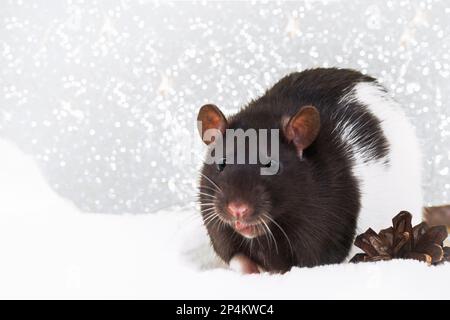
pixel 402 241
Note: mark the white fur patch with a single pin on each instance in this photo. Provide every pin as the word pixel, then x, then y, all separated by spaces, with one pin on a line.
pixel 385 189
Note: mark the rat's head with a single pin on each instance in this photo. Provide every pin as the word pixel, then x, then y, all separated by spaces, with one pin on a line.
pixel 255 171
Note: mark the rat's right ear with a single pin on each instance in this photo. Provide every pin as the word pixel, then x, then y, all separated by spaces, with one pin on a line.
pixel 303 128
pixel 210 117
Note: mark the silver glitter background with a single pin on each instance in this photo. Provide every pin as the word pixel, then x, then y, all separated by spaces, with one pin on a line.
pixel 104 94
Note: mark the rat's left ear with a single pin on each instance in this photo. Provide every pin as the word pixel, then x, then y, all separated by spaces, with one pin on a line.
pixel 210 117
pixel 302 129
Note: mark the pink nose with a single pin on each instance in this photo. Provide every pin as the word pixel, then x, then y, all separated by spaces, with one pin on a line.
pixel 238 209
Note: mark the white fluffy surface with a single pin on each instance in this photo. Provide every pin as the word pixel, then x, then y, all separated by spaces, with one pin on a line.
pixel 48 249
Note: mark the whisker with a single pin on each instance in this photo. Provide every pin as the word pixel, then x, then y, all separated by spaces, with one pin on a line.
pixel 209 215
pixel 214 184
pixel 205 211
pixel 212 217
pixel 208 207
pixel 271 234
pixel 282 230
pixel 208 188
pixel 220 223
pixel 264 256
pixel 268 240
pixel 211 222
pixel 208 195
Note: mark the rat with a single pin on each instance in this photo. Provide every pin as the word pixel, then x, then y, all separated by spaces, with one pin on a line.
pixel 348 160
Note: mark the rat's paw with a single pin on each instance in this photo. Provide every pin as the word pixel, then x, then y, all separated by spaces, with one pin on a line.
pixel 243 264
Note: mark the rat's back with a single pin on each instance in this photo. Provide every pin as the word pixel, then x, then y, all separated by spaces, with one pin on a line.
pixel 393 182
pixel 372 130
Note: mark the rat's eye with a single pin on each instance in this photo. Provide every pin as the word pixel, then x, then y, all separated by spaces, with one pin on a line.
pixel 221 165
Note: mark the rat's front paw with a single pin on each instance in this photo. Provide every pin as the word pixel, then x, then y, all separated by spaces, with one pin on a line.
pixel 243 264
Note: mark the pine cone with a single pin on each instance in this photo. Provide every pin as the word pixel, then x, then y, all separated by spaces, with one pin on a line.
pixel 402 241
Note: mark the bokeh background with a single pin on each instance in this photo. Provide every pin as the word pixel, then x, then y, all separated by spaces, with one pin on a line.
pixel 104 94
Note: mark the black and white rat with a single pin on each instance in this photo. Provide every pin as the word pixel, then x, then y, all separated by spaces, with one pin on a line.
pixel 348 160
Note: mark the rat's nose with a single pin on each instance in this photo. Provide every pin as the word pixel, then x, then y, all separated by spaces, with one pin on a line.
pixel 238 209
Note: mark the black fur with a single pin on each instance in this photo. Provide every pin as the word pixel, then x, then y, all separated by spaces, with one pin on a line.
pixel 315 200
